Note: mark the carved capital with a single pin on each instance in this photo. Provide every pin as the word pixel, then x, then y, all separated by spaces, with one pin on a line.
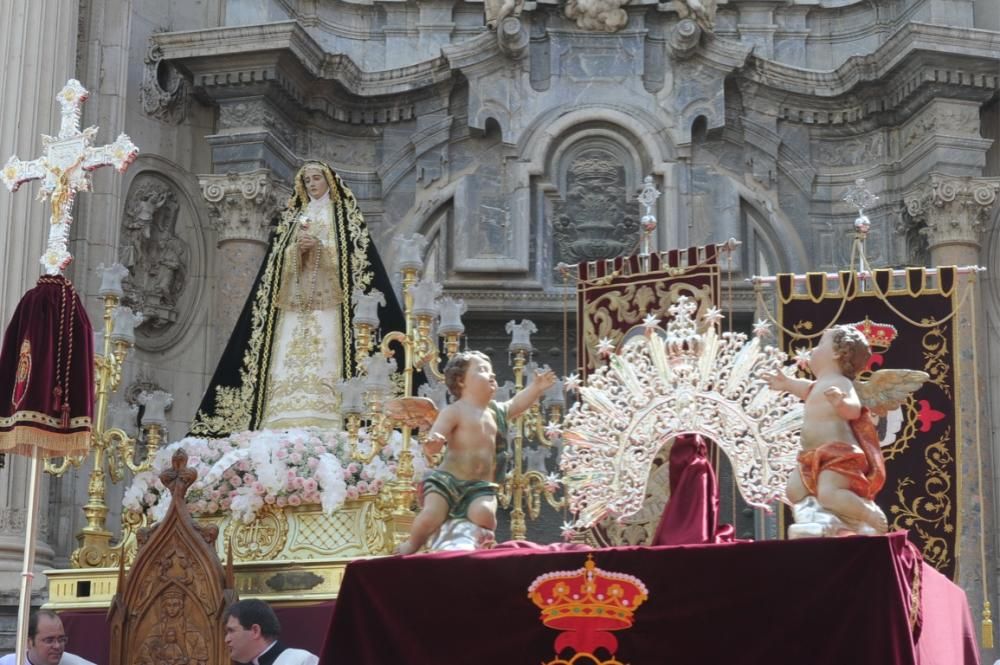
pixel 951 210
pixel 242 204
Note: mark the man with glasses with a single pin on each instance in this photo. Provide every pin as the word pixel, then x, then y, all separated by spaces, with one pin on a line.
pixel 252 631
pixel 46 642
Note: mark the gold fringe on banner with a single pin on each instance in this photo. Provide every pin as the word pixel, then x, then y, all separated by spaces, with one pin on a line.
pixel 22 440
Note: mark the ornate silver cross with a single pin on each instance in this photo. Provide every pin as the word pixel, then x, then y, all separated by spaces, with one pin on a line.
pixel 65 168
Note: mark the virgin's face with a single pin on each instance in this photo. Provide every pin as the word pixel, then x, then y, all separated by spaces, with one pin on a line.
pixel 315 183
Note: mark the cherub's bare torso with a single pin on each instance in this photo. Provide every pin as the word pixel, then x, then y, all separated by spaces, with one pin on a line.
pixel 471 452
pixel 821 423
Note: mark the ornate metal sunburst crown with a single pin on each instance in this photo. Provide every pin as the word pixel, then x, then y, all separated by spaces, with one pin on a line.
pixel 666 382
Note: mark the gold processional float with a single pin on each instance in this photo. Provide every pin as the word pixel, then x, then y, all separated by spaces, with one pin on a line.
pixel 350 494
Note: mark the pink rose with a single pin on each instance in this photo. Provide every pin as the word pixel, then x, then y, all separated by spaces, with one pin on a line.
pixel 312 463
pixel 362 487
pixel 294 500
pixel 269 499
pixel 258 488
pixel 281 502
pixel 236 481
pixel 243 466
pixel 281 454
pixel 295 459
pixel 300 447
pixel 352 492
pixel 347 474
pixel 213 507
pixel 353 467
pixel 309 485
pixel 249 479
pixel 149 498
pixel 225 504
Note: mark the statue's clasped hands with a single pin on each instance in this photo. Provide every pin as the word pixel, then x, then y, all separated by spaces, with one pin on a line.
pixel 307 242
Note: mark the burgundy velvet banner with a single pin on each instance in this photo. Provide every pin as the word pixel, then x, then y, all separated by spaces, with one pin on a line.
pixel 613 296
pixel 833 601
pixel 46 373
pixel 920 440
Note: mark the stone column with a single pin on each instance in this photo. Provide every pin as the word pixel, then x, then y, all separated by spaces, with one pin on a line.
pixel 241 206
pixel 953 211
pixel 38 47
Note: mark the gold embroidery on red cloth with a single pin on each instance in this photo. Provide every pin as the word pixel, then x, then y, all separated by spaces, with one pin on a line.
pixel 23 375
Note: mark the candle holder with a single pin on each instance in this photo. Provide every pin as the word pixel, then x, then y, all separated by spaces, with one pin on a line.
pixel 112 447
pixel 521 490
pixel 365 398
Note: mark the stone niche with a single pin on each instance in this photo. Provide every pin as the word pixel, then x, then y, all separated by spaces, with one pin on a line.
pixel 589 200
pixel 158 245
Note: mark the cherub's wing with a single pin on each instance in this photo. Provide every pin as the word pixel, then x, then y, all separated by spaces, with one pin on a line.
pixel 887 389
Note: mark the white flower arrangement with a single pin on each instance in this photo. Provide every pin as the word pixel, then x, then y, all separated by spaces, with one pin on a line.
pixel 247 471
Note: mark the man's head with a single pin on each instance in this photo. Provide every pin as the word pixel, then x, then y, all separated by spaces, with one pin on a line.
pixel 251 625
pixel 46 638
pixel 469 369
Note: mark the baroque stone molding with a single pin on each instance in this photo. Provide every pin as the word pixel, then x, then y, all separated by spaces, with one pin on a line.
pixel 242 205
pixel 13 521
pixel 950 210
pixel 164 93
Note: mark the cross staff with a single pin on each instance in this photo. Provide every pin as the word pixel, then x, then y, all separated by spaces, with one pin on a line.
pixel 64 170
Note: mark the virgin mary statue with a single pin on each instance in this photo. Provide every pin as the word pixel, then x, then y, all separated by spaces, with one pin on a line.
pixel 294 339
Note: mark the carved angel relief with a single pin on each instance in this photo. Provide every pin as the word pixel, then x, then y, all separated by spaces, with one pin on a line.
pixel 156 257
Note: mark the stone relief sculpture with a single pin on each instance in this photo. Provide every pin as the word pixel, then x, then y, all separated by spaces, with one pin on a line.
pixel 156 257
pixel 600 15
pixel 701 12
pixel 594 222
pixel 498 10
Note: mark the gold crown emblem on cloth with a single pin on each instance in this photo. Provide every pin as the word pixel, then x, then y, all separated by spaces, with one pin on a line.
pixel 599 599
pixel 879 335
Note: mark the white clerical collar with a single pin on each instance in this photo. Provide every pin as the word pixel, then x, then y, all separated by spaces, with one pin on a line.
pixel 256 660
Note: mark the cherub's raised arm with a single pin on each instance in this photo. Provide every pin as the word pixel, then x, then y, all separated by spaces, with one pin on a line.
pixel 783 382
pixel 522 401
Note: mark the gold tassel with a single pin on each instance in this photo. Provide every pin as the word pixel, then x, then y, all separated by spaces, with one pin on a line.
pixel 987 626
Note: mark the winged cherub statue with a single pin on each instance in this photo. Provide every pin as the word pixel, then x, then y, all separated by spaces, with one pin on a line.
pixel 840 466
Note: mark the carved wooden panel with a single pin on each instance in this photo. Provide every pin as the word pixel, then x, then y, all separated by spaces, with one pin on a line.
pixel 168 609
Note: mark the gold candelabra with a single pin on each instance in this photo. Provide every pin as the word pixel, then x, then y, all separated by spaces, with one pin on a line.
pixel 373 400
pixel 112 448
pixel 523 489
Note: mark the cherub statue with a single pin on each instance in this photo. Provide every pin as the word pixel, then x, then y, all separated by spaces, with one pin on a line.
pixel 840 466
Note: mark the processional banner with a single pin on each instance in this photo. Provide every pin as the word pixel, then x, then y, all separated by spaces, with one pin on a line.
pixel 614 295
pixel 910 324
